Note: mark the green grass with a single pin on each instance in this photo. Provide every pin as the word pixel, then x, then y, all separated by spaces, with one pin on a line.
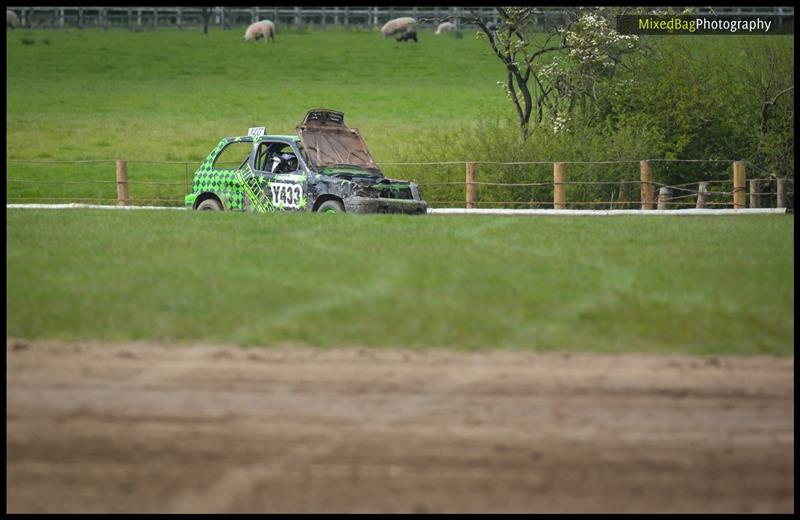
pixel 698 285
pixel 172 94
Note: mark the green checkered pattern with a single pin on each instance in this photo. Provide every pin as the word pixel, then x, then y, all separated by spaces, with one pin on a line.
pixel 225 183
pixel 241 188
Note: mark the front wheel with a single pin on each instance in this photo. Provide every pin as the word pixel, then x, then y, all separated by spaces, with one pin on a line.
pixel 331 206
pixel 210 205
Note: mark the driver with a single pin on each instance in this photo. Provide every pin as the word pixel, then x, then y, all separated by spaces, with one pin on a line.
pixel 284 163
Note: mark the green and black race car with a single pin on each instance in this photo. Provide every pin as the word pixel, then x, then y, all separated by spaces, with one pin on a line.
pixel 326 167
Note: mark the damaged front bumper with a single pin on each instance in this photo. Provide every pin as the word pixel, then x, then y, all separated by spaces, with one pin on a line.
pixel 379 205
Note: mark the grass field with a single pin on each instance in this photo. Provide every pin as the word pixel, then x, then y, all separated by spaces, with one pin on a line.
pixel 170 95
pixel 704 285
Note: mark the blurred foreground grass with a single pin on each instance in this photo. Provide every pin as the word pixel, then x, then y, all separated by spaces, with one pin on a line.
pixel 699 285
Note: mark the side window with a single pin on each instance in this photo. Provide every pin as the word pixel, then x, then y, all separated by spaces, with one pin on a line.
pixel 276 157
pixel 264 154
pixel 233 156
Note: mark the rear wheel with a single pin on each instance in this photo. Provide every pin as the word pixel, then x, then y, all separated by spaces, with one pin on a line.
pixel 210 205
pixel 331 206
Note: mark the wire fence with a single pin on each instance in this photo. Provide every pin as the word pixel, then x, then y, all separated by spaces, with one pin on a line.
pixel 511 184
pixel 94 180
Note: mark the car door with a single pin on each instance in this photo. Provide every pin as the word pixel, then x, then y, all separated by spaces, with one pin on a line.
pixel 281 174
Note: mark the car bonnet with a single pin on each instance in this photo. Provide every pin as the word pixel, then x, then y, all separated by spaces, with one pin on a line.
pixel 328 141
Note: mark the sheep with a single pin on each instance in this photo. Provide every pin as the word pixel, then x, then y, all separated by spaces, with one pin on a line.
pixel 11 18
pixel 406 25
pixel 262 29
pixel 411 35
pixel 445 27
pixel 270 26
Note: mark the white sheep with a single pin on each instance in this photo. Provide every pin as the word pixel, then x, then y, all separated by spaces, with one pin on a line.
pixel 11 18
pixel 261 29
pixel 445 27
pixel 271 32
pixel 406 25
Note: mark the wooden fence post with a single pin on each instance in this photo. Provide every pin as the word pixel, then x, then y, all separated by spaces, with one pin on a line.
pixel 122 183
pixel 559 188
pixel 702 193
pixel 738 185
pixel 472 188
pixel 664 195
pixel 781 189
pixel 646 183
pixel 755 196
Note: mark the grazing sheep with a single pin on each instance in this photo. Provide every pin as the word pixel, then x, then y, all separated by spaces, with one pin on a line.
pixel 11 18
pixel 412 35
pixel 263 29
pixel 445 27
pixel 270 28
pixel 406 25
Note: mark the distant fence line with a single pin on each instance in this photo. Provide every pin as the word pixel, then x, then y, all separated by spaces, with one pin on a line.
pixel 138 18
pixel 666 197
pixel 228 17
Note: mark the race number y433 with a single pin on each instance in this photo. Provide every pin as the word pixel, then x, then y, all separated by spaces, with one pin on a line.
pixel 286 195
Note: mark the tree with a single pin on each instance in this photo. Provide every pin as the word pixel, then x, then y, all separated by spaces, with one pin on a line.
pixel 549 75
pixel 768 67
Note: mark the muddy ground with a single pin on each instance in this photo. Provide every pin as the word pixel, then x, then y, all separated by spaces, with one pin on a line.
pixel 147 428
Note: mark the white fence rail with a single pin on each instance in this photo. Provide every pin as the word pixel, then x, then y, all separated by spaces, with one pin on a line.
pixel 140 18
pixel 225 17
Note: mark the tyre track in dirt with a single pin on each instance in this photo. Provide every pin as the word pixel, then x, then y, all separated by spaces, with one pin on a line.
pixel 131 427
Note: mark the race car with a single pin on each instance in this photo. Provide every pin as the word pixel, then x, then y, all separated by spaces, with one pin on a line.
pixel 326 167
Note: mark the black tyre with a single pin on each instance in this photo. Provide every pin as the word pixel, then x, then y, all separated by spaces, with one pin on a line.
pixel 331 206
pixel 210 205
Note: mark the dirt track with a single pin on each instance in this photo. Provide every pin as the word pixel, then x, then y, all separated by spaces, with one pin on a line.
pixel 142 427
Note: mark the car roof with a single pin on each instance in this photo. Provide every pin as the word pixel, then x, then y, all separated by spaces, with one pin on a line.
pixel 262 137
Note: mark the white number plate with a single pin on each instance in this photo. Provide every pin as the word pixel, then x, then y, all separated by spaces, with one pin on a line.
pixel 286 195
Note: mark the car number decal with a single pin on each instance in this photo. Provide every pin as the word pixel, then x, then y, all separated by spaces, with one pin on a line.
pixel 286 195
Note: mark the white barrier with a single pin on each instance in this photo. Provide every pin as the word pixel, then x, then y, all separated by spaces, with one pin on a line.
pixel 93 206
pixel 601 212
pixel 476 211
